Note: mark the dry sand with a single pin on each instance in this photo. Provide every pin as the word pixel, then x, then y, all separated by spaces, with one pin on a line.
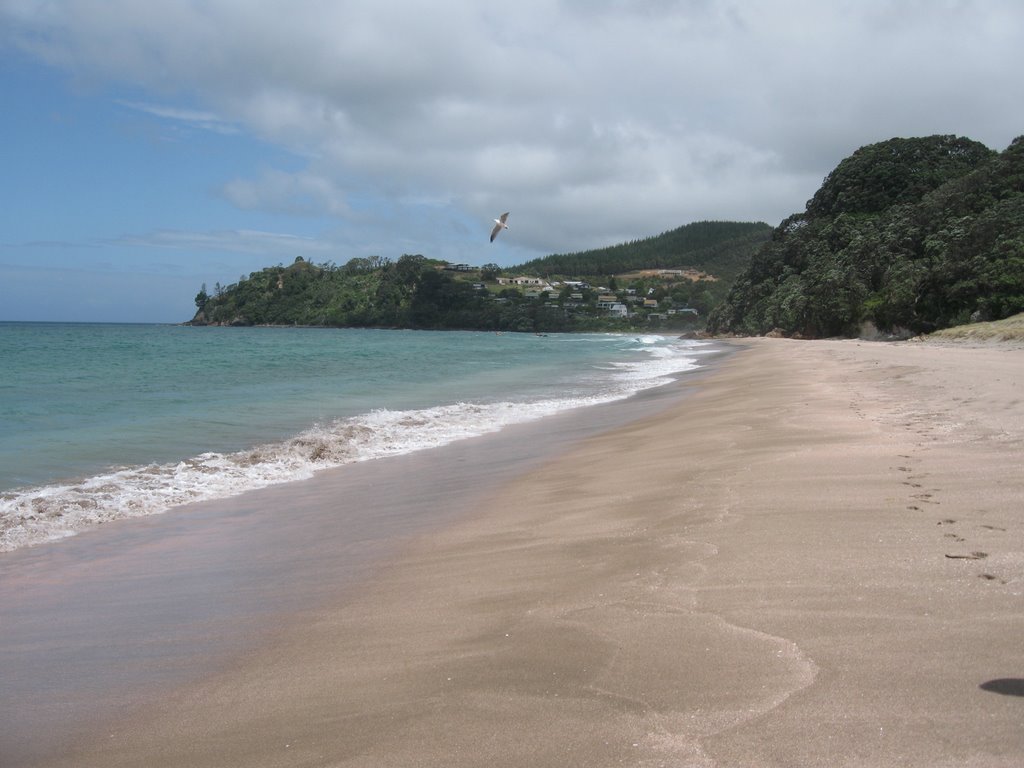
pixel 817 559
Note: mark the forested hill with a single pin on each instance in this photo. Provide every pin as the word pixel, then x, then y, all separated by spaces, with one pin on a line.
pixel 721 248
pixel 907 235
pixel 417 292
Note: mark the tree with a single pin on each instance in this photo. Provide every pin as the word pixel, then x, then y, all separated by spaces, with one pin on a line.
pixel 910 234
pixel 721 243
pixel 201 298
pixel 881 175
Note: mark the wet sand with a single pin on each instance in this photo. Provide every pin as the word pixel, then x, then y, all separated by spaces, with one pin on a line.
pixel 96 626
pixel 816 558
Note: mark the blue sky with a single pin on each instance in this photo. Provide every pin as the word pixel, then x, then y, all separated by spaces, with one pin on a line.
pixel 148 148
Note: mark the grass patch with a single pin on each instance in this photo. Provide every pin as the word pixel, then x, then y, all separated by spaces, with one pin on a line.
pixel 1010 329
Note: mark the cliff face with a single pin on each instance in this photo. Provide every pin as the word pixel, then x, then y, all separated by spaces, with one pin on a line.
pixel 200 319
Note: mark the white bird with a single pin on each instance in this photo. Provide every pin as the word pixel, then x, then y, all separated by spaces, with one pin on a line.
pixel 499 224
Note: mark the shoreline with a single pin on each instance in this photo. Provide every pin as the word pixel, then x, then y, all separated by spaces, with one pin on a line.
pixel 175 596
pixel 59 482
pixel 814 557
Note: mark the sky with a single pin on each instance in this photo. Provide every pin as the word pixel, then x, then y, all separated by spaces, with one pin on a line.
pixel 149 148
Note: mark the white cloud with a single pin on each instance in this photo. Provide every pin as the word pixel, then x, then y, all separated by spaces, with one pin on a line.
pixel 206 121
pixel 592 121
pixel 303 193
pixel 269 244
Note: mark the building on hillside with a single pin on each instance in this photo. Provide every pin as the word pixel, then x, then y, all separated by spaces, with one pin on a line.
pixel 522 280
pixel 612 306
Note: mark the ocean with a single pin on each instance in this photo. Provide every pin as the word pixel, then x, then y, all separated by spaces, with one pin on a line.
pixel 103 421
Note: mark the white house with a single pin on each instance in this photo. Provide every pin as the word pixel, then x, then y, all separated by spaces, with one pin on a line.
pixel 522 280
pixel 612 305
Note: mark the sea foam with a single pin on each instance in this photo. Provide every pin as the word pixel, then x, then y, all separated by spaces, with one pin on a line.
pixel 30 516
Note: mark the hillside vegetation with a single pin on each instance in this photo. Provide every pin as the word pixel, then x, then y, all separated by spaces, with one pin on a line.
pixel 908 235
pixel 1010 329
pixel 905 236
pixel 722 248
pixel 416 292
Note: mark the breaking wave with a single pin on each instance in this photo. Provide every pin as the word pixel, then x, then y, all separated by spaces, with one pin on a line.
pixel 33 515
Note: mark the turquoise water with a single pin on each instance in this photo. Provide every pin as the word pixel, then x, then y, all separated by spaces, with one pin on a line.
pixel 105 421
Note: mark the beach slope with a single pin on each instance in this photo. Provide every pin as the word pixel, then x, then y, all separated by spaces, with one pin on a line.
pixel 816 558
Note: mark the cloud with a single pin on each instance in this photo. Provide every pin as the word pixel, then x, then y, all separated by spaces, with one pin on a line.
pixel 206 121
pixel 46 244
pixel 304 193
pixel 592 121
pixel 242 241
pixel 269 244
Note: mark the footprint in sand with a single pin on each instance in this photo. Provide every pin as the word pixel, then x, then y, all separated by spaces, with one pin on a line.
pixel 972 556
pixel 990 577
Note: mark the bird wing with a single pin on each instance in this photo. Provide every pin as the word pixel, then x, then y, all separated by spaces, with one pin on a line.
pixel 499 225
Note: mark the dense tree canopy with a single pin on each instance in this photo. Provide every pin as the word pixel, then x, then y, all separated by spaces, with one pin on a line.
pixel 893 172
pixel 908 234
pixel 412 292
pixel 723 247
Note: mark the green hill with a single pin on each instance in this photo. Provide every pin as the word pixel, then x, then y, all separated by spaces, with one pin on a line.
pixel 909 235
pixel 720 248
pixel 415 292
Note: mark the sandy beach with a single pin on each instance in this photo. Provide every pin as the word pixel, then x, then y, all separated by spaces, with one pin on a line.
pixel 813 558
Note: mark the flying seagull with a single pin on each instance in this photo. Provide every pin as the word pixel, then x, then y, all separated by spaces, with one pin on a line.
pixel 499 224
